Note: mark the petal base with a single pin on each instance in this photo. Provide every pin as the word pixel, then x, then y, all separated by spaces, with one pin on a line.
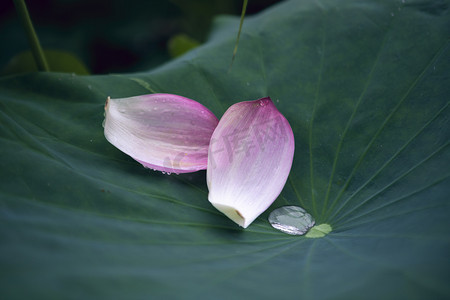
pixel 232 213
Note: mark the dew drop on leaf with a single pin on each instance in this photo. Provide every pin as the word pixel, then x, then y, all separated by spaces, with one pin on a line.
pixel 292 220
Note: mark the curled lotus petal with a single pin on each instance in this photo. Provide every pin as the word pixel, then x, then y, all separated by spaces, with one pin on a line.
pixel 163 132
pixel 249 160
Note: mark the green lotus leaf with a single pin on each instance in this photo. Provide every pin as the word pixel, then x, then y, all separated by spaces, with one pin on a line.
pixel 365 87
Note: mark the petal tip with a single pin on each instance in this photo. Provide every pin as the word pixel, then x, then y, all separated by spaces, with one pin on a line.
pixel 107 101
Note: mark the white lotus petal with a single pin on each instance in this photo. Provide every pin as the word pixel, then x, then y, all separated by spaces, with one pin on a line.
pixel 249 159
pixel 164 132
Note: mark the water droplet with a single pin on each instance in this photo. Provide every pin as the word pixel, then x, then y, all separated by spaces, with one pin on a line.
pixel 278 100
pixel 248 83
pixel 89 86
pixel 392 14
pixel 163 172
pixel 292 220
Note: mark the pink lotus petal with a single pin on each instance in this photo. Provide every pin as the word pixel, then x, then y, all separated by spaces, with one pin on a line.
pixel 164 132
pixel 250 156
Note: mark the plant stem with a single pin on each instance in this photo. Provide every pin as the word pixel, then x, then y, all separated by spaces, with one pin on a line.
pixel 244 8
pixel 36 49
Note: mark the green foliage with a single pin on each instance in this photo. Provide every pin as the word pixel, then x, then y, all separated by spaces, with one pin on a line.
pixel 365 88
pixel 58 61
pixel 180 44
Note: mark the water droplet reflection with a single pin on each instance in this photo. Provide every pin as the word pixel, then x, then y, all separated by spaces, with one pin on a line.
pixel 292 220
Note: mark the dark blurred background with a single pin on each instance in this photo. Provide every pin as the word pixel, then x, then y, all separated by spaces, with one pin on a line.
pixel 111 36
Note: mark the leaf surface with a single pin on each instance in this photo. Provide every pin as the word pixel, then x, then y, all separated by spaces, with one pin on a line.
pixel 365 87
